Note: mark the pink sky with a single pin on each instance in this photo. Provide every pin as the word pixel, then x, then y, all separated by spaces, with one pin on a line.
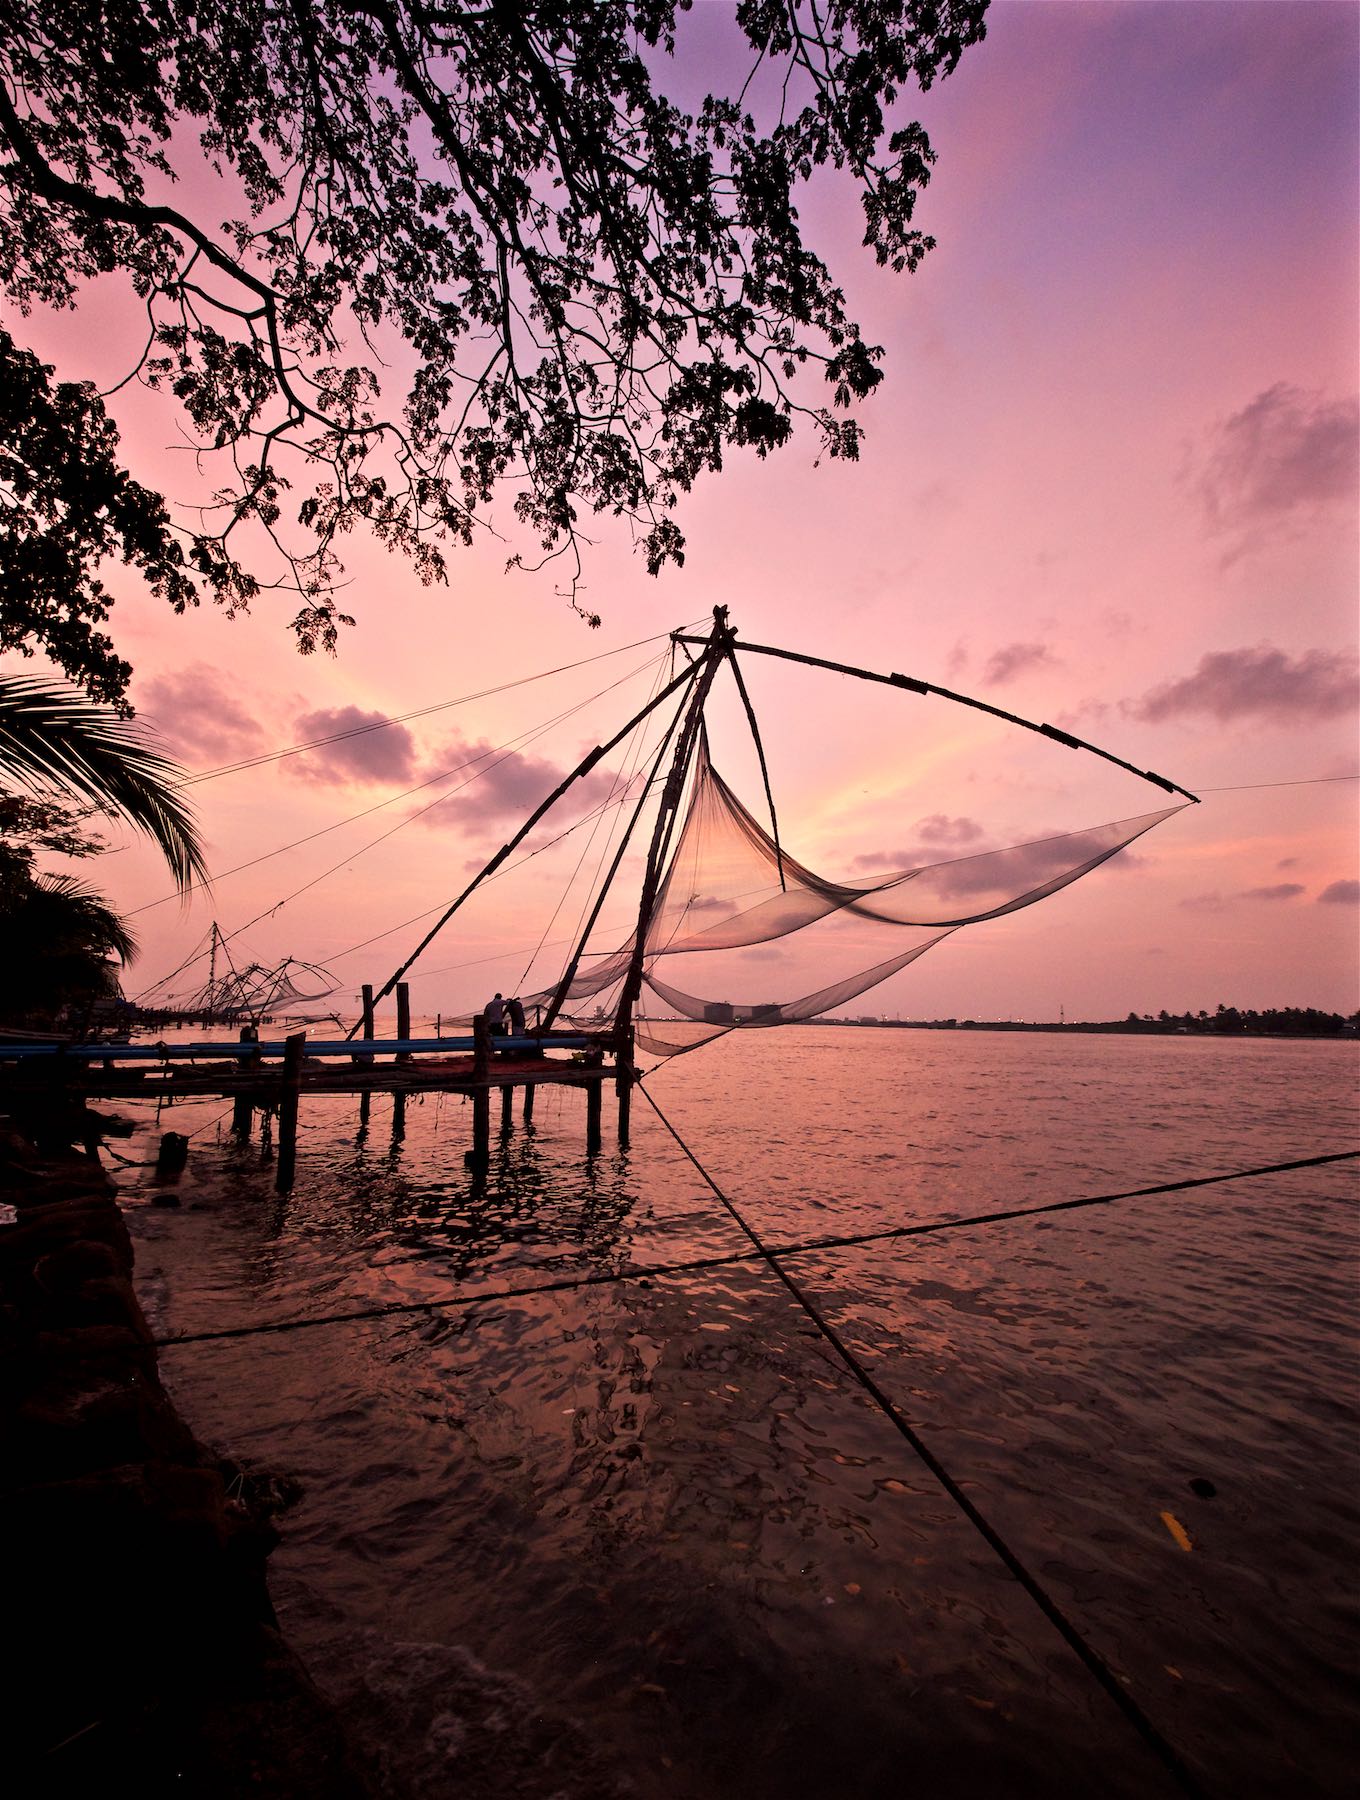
pixel 1109 482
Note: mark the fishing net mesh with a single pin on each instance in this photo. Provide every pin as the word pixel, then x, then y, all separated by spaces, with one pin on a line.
pixel 729 886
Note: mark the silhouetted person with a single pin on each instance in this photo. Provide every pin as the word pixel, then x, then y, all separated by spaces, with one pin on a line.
pixel 495 1013
pixel 515 1009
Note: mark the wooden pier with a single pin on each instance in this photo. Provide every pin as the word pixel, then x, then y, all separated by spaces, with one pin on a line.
pixel 275 1077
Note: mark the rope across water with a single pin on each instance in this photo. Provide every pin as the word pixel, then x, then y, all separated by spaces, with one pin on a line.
pixel 773 1256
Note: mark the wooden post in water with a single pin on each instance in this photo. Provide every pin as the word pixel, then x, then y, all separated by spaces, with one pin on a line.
pixel 623 1081
pixel 403 1018
pixel 507 1105
pixel 594 1108
pixel 293 1047
pixel 398 1120
pixel 528 1102
pixel 481 1092
pixel 365 1024
pixel 242 1112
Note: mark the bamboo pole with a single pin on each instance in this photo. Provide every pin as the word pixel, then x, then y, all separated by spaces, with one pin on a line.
pixel 584 767
pixel 558 1000
pixel 715 649
pixel 914 686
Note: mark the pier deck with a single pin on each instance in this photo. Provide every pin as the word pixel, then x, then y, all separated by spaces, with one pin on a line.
pixel 274 1077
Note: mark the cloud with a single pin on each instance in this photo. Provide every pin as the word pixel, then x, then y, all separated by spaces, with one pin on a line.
pixel 1341 893
pixel 1000 875
pixel 1203 903
pixel 1260 682
pixel 1082 714
pixel 1282 890
pixel 1267 468
pixel 199 717
pixel 495 784
pixel 936 830
pixel 373 755
pixel 997 871
pixel 939 828
pixel 1288 862
pixel 1013 659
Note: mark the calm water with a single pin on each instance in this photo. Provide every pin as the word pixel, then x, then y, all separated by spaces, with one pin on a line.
pixel 650 1536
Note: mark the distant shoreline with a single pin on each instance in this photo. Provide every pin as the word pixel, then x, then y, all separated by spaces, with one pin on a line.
pixel 1117 1027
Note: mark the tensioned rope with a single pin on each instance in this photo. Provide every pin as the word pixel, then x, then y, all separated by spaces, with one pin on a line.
pixel 771 1255
pixel 510 747
pixel 630 763
pixel 1090 1658
pixel 1252 787
pixel 731 1258
pixel 614 800
pixel 421 712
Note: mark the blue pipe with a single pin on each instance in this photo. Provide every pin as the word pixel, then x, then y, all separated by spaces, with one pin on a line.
pixel 230 1050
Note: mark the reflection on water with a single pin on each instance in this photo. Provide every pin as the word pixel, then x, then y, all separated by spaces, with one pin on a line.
pixel 651 1532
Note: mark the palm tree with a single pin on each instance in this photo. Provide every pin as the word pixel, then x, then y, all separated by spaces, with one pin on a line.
pixel 53 738
pixel 60 939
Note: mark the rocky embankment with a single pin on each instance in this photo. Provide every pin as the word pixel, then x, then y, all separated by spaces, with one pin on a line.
pixel 141 1650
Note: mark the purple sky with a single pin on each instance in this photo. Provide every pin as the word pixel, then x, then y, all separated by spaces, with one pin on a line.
pixel 1110 482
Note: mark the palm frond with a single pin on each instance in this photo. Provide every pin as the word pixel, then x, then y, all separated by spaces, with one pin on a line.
pixel 52 737
pixel 70 910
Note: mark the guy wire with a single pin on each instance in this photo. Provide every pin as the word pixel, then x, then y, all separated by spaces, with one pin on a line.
pixel 1094 1663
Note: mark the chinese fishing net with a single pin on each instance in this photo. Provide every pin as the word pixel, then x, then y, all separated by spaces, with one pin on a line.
pixel 728 886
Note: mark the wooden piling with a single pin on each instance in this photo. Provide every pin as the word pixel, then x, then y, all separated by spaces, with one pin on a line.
pixel 481 1093
pixel 481 1124
pixel 293 1050
pixel 362 1059
pixel 624 1077
pixel 507 1107
pixel 242 1113
pixel 594 1109
pixel 403 1018
pixel 528 1102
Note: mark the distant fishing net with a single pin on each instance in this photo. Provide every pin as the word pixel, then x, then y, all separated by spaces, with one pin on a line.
pixel 729 886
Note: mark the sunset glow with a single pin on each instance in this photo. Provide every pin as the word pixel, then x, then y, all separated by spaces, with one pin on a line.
pixel 1110 482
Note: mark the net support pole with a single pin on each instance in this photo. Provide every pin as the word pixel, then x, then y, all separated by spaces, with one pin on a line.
pixel 559 998
pixel 914 686
pixel 586 764
pixel 716 647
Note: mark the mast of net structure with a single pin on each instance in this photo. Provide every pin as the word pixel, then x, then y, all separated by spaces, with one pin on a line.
pixel 716 649
pixel 692 673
